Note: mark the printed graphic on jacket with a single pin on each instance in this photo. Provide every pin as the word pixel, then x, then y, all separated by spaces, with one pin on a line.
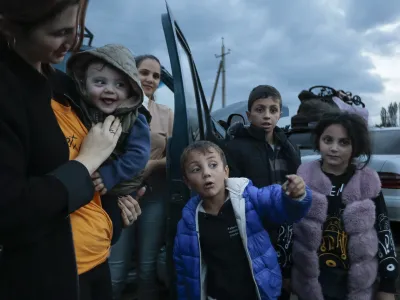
pixel 386 250
pixel 333 249
pixel 284 245
pixel 74 142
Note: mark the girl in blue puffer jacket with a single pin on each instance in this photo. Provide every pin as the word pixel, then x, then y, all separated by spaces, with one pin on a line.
pixel 221 248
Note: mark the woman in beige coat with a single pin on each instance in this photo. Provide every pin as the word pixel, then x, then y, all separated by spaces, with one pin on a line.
pixel 150 227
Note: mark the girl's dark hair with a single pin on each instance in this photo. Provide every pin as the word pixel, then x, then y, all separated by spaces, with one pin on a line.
pixel 139 59
pixel 26 15
pixel 357 130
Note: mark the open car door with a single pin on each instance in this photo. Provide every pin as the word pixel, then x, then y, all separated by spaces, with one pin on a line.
pixel 191 121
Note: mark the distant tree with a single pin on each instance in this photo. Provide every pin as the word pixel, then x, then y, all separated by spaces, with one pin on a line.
pixel 389 116
pixel 384 118
pixel 393 109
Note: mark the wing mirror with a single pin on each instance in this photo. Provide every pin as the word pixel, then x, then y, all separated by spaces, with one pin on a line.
pixel 235 118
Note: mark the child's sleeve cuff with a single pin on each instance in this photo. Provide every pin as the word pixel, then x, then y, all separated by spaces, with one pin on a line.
pixel 301 198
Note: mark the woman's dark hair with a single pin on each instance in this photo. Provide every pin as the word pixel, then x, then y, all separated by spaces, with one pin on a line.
pixel 26 15
pixel 357 130
pixel 141 58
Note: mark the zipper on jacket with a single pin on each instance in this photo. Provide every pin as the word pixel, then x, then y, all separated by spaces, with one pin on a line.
pixel 201 267
pixel 276 154
pixel 200 260
pixel 252 271
pixel 244 240
pixel 271 162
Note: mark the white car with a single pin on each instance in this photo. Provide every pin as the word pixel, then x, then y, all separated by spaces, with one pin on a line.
pixel 385 160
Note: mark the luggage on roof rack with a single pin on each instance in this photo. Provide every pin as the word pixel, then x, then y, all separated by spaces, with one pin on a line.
pixel 319 100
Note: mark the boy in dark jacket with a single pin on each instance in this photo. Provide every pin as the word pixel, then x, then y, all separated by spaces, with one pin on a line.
pixel 262 153
pixel 222 251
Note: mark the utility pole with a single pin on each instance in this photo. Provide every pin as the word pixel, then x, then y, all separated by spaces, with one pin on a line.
pixel 221 69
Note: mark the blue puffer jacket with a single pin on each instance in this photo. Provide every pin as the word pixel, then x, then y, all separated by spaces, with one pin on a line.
pixel 250 205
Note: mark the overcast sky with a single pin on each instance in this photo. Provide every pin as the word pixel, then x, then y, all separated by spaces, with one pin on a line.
pixel 347 44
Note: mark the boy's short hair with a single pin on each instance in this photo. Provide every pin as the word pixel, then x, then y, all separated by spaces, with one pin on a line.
pixel 261 92
pixel 203 147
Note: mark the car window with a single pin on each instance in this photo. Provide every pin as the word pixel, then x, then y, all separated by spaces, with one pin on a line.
pixel 385 141
pixel 304 152
pixel 219 131
pixel 302 140
pixel 191 105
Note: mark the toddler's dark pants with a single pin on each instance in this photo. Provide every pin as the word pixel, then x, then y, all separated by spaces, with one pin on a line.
pixel 96 283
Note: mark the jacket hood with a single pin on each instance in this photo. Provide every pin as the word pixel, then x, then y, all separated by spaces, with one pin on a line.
pixel 117 56
pixel 235 186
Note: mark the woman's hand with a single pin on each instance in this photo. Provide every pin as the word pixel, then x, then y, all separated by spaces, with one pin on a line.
pixel 99 143
pixel 130 208
pixel 98 183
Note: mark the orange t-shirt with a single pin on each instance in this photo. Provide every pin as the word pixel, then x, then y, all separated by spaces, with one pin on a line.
pixel 91 225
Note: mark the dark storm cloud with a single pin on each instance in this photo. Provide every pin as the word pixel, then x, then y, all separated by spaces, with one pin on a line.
pixel 290 44
pixel 366 14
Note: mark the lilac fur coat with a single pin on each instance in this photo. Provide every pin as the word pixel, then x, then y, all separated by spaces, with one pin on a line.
pixel 359 221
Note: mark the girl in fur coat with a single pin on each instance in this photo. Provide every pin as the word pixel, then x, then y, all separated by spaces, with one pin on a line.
pixel 343 249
